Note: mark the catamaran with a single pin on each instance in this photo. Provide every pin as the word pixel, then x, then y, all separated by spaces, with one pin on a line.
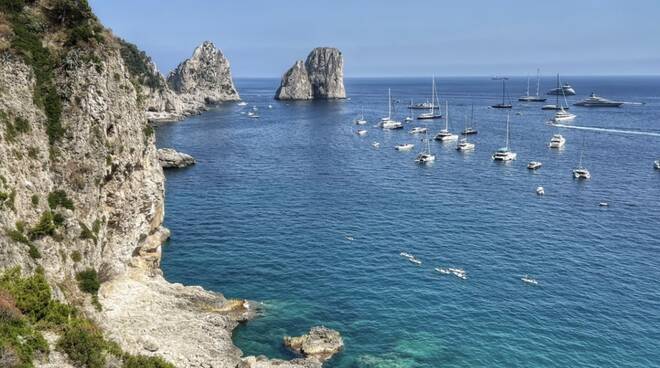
pixel 581 172
pixel 425 156
pixel 445 135
pixel 431 114
pixel 387 122
pixel 536 98
pixel 505 153
pixel 503 104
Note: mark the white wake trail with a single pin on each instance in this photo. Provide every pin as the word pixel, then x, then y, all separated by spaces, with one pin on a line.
pixel 607 130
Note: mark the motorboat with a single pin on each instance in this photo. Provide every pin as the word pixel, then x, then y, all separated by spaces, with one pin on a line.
pixel 562 116
pixel 375 145
pixel 656 164
pixel 270 106
pixel 534 165
pixel 404 147
pixel 408 119
pixel 445 135
pixel 253 114
pixel 557 141
pixel 443 271
pixel 565 90
pixel 458 272
pixel 406 255
pixel 529 280
pixel 242 103
pixel 415 261
pixel 603 204
pixel 505 153
pixel 540 191
pixel 349 238
pixel 418 130
pixel 533 98
pixel 596 101
pixel 361 132
pixel 463 145
pixel 504 104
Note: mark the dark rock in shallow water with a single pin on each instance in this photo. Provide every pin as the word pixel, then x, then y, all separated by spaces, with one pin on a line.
pixel 320 343
pixel 320 77
pixel 170 158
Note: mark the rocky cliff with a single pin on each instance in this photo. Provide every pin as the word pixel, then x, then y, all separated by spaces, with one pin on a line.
pixel 205 78
pixel 320 77
pixel 81 189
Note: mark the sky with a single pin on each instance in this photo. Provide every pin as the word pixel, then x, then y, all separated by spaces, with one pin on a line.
pixel 400 38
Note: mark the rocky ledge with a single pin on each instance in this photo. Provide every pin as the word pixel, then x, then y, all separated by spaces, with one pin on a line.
pixel 321 76
pixel 169 158
pixel 320 344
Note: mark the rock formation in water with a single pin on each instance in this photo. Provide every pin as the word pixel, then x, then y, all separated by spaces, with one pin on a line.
pixel 170 158
pixel 204 78
pixel 320 344
pixel 81 189
pixel 321 76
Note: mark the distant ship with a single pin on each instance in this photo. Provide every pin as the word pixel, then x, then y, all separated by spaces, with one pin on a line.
pixel 564 90
pixel 595 101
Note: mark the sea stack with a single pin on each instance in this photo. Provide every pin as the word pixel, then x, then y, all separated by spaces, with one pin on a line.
pixel 205 77
pixel 321 76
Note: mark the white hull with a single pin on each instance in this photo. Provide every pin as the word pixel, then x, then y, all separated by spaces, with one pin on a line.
pixel 404 147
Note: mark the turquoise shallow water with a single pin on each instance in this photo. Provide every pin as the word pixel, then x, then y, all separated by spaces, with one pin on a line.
pixel 264 215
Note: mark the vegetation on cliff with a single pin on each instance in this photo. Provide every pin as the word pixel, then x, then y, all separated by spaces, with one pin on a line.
pixel 27 309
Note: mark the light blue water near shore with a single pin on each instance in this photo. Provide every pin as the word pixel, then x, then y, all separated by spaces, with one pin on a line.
pixel 264 214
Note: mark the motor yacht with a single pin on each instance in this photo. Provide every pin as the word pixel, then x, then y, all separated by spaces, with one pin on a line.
pixel 361 132
pixel 562 116
pixel 404 147
pixel 557 141
pixel 565 90
pixel 418 130
pixel 656 164
pixel 596 101
pixel 534 165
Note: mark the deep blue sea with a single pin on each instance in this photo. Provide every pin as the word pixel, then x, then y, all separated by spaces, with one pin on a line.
pixel 265 213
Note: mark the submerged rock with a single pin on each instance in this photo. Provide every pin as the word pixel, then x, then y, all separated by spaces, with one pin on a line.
pixel 320 343
pixel 320 77
pixel 205 78
pixel 169 158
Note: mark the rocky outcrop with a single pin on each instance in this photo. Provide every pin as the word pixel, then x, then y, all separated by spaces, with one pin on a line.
pixel 205 78
pixel 320 77
pixel 170 158
pixel 320 344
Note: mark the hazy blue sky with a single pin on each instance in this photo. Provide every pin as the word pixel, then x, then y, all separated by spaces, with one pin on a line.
pixel 400 38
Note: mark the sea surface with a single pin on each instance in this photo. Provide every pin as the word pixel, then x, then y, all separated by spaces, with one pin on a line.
pixel 266 212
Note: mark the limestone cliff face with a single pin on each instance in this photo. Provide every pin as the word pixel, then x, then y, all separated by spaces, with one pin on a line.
pixel 205 78
pixel 320 77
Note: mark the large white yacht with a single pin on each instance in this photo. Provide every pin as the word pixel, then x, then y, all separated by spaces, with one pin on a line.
pixel 596 101
pixel 557 141
pixel 563 116
pixel 565 90
pixel 445 135
pixel 505 153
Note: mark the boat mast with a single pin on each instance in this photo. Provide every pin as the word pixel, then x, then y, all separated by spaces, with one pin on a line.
pixel 538 81
pixel 503 89
pixel 507 132
pixel 472 117
pixel 446 116
pixel 528 86
pixel 389 103
pixel 557 104
pixel 433 96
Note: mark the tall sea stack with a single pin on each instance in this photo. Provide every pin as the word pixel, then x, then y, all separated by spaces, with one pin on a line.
pixel 321 76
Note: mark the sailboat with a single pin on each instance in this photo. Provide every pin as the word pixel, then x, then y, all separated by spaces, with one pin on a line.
pixel 581 172
pixel 431 114
pixel 387 122
pixel 562 115
pixel 503 104
pixel 463 144
pixel 445 135
pixel 425 156
pixel 409 118
pixel 505 153
pixel 361 120
pixel 536 98
pixel 472 128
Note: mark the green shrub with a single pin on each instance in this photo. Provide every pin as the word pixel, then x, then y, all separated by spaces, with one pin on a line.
pixel 45 226
pixel 96 227
pixel 17 236
pixel 141 361
pixel 59 198
pixel 86 233
pixel 76 256
pixel 21 125
pixel 88 281
pixel 32 294
pixel 33 153
pixel 84 344
pixel 137 63
pixel 35 200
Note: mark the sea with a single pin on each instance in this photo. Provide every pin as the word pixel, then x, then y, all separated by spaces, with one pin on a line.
pixel 296 211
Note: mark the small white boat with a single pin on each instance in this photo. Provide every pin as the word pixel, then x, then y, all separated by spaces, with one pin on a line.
pixel 406 255
pixel 415 261
pixel 533 165
pixel 445 135
pixel 375 145
pixel 361 120
pixel 270 106
pixel 242 103
pixel 404 147
pixel 581 173
pixel 349 238
pixel 603 204
pixel 540 191
pixel 387 122
pixel 464 145
pixel 408 119
pixel 458 272
pixel 504 153
pixel 253 114
pixel 418 130
pixel 529 280
pixel 361 132
pixel 443 271
pixel 656 164
pixel 557 141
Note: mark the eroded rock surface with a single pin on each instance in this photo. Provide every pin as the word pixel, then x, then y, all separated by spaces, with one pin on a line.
pixel 321 76
pixel 169 158
pixel 320 343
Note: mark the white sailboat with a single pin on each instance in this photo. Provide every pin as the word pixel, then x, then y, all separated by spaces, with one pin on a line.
pixel 536 98
pixel 361 120
pixel 431 114
pixel 505 153
pixel 425 156
pixel 445 135
pixel 387 122
pixel 581 172
pixel 562 115
pixel 472 128
pixel 463 144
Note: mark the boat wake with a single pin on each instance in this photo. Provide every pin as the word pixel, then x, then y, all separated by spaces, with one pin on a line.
pixel 608 130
